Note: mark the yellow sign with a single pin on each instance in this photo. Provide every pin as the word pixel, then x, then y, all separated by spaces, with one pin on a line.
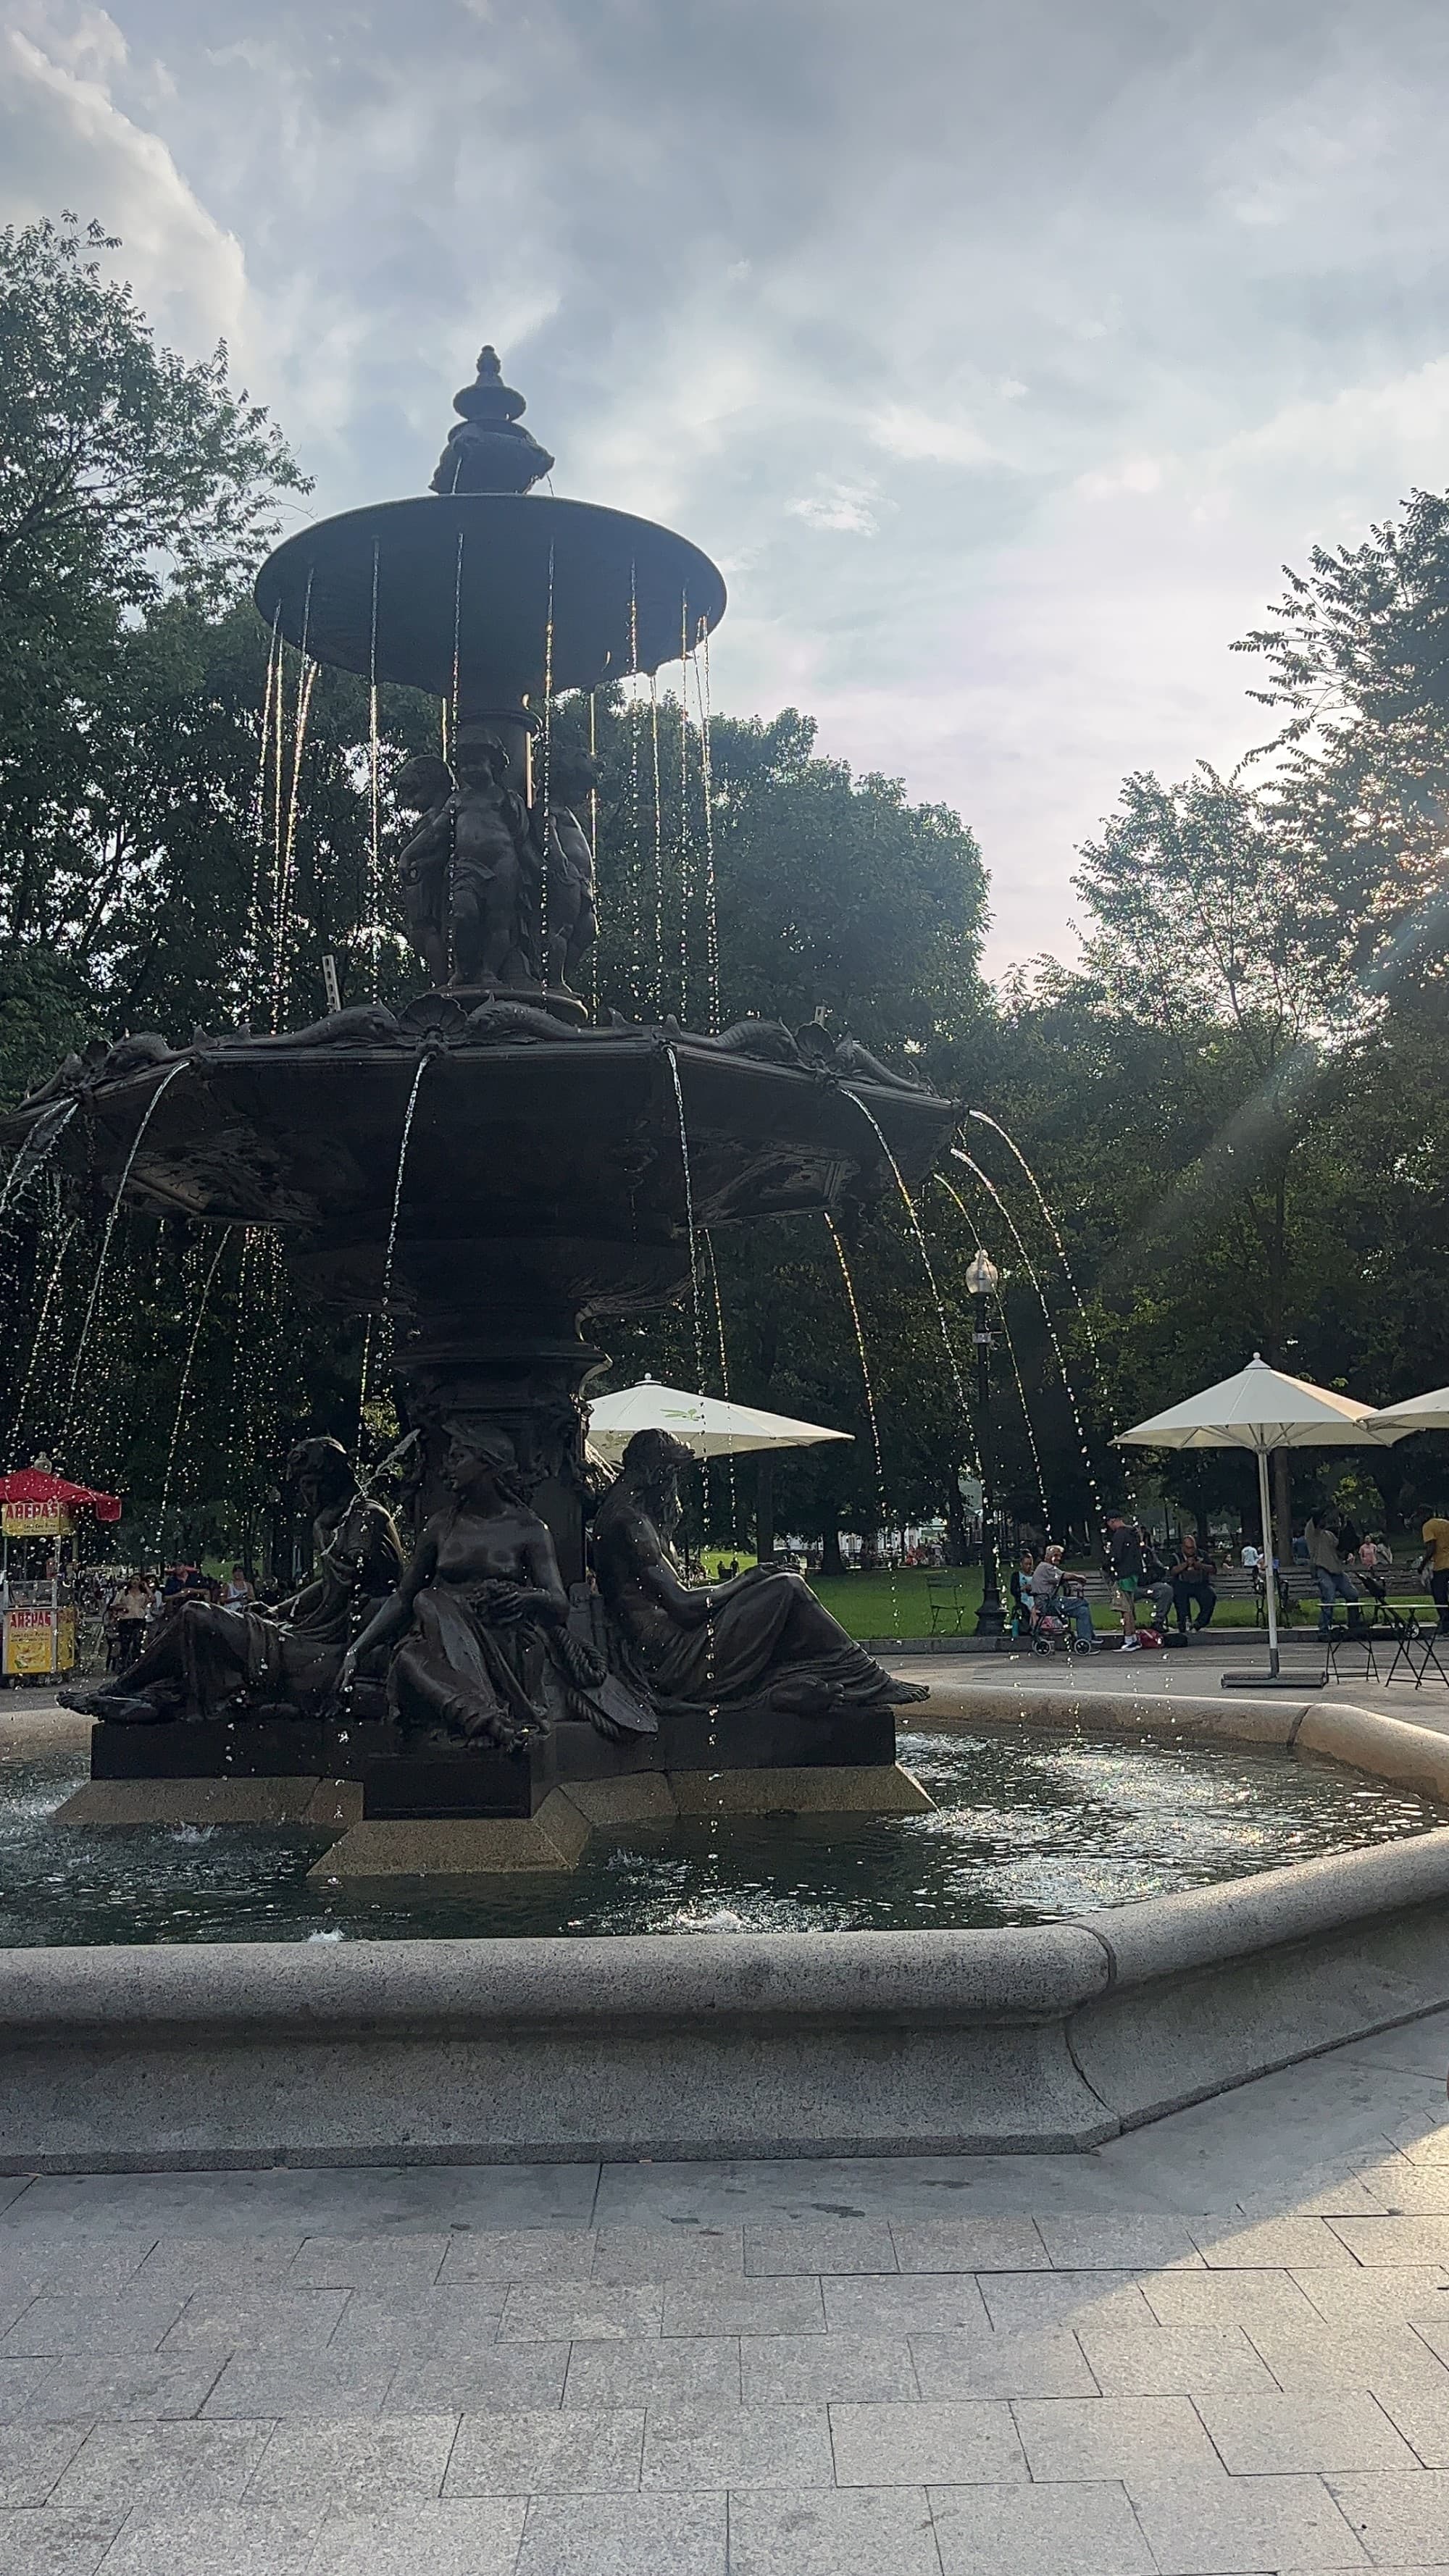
pixel 28 1636
pixel 35 1520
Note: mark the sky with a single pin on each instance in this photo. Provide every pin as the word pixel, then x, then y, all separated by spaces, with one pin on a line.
pixel 1001 352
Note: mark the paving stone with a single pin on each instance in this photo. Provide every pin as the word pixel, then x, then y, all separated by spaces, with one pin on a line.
pixel 63 2321
pixel 1038 2531
pixel 931 2444
pixel 826 2245
pixel 1397 2518
pixel 978 2363
pixel 641 2370
pixel 914 2304
pixel 42 2543
pixel 750 2307
pixel 1025 2302
pixel 1419 2410
pixel 1311 2358
pixel 32 2457
pixel 463 2537
pixel 369 2262
pixel 379 2461
pixel 462 2320
pixel 1111 2437
pixel 519 2254
pixel 1211 2298
pixel 641 2535
pixel 550 2451
pixel 696 2448
pixel 232 2263
pixel 577 2311
pixel 1269 2244
pixel 626 2254
pixel 296 2321
pixel 967 2245
pixel 861 2531
pixel 122 2390
pixel 1378 2297
pixel 1138 2242
pixel 20 2383
pixel 71 2263
pixel 256 2385
pixel 1343 2428
pixel 467 2383
pixel 218 2540
pixel 122 2467
pixel 806 2369
pixel 1172 2361
pixel 1419 2239
pixel 1213 2525
pixel 1394 2184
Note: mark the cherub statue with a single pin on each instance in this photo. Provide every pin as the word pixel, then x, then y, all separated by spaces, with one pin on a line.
pixel 468 871
pixel 568 909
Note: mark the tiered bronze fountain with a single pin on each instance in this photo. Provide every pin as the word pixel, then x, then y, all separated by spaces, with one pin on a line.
pixel 538 1652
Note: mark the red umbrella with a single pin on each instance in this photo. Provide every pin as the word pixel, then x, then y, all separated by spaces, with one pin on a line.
pixel 31 1485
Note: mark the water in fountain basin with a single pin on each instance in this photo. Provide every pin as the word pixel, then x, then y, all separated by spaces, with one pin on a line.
pixel 1025 1830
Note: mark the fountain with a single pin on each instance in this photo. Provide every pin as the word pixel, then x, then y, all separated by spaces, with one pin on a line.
pixel 550 1170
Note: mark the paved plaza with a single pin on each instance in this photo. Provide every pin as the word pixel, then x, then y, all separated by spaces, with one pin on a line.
pixel 1220 2344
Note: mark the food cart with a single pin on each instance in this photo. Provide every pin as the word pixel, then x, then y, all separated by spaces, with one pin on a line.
pixel 37 1569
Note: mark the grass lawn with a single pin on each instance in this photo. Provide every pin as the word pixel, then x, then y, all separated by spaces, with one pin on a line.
pixel 881 1605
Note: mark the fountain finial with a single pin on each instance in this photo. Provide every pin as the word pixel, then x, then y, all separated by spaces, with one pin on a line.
pixel 489 451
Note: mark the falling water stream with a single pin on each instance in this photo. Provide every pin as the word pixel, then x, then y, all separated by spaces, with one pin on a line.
pixel 724 1380
pixel 196 1323
pixel 1046 1516
pixel 882 1504
pixel 182 1065
pixel 42 1320
pixel 1016 1235
pixel 35 1151
pixel 937 1300
pixel 713 1711
pixel 984 1120
pixel 387 1267
pixel 706 763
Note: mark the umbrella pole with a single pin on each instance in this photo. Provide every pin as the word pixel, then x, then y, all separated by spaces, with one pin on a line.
pixel 1270 1576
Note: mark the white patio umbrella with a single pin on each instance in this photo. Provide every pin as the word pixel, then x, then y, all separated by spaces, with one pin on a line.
pixel 706 1423
pixel 1261 1410
pixel 1416 1413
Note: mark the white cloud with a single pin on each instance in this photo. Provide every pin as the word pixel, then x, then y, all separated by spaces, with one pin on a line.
pixel 845 509
pixel 65 142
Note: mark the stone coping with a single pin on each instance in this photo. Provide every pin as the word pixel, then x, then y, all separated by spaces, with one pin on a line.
pixel 1046 2037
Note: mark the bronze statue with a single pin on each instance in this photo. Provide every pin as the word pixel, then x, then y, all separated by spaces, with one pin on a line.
pixel 483 1649
pixel 283 1662
pixel 761 1637
pixel 424 785
pixel 570 902
pixel 470 871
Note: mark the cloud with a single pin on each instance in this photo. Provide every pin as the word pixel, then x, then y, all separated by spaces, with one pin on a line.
pixel 1085 318
pixel 64 141
pixel 844 508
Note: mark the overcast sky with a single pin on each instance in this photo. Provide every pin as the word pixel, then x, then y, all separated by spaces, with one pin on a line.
pixel 999 350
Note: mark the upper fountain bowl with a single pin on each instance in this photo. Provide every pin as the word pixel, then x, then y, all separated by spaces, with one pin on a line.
pixel 452 593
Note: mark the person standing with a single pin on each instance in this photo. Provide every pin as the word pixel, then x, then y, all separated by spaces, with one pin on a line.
pixel 1335 1583
pixel 1125 1557
pixel 1435 1563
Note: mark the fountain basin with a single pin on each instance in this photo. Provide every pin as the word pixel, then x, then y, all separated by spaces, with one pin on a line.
pixel 1042 2036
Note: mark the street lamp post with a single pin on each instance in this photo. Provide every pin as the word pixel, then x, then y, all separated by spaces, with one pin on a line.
pixel 981 1279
